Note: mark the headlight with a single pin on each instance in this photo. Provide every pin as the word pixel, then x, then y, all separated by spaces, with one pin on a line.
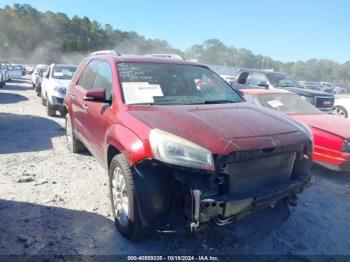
pixel 346 146
pixel 59 89
pixel 172 149
pixel 309 99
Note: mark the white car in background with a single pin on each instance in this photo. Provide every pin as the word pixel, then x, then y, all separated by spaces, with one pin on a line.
pixel 35 73
pixel 14 72
pixel 54 86
pixel 342 105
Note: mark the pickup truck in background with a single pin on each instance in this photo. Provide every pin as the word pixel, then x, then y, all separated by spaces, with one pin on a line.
pixel 250 78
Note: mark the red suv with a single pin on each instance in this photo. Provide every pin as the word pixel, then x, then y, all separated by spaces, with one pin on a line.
pixel 182 148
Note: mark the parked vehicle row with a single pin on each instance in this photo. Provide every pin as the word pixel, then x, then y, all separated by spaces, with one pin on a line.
pixel 9 72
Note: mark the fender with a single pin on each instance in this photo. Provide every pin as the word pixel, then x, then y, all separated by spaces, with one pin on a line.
pixel 127 142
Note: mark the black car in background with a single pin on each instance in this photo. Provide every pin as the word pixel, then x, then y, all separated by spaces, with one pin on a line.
pixel 248 78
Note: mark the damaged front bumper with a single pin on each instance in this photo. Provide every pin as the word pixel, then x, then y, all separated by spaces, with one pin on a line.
pixel 227 209
pixel 172 199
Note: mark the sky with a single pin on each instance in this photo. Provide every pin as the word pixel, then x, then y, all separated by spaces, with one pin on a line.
pixel 287 30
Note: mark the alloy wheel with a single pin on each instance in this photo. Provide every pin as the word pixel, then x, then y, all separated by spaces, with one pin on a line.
pixel 120 196
pixel 341 112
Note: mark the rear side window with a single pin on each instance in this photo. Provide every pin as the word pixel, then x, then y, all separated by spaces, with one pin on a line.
pixel 243 78
pixel 86 80
pixel 104 79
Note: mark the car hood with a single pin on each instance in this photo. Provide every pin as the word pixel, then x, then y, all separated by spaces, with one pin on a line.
pixel 60 82
pixel 222 128
pixel 329 123
pixel 308 92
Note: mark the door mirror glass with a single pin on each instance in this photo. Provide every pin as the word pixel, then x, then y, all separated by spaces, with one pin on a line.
pixel 95 94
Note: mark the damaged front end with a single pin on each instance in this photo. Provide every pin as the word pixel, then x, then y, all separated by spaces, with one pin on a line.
pixel 172 198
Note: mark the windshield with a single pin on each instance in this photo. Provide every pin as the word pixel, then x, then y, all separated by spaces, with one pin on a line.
pixel 281 80
pixel 172 84
pixel 63 72
pixel 287 103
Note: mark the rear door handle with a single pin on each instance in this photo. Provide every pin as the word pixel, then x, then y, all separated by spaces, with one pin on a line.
pixel 85 105
pixel 72 95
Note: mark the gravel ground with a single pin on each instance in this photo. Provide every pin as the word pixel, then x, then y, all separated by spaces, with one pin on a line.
pixel 55 202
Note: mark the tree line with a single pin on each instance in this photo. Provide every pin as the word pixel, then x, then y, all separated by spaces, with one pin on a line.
pixel 30 36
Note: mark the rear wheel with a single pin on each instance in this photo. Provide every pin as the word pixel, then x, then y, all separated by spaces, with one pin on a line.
pixel 73 145
pixel 341 111
pixel 43 100
pixel 123 199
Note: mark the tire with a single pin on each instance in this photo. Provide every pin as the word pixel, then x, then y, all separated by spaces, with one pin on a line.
pixel 43 100
pixel 128 225
pixel 38 90
pixel 49 109
pixel 341 111
pixel 73 144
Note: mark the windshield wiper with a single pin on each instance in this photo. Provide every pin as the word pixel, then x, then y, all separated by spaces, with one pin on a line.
pixel 221 101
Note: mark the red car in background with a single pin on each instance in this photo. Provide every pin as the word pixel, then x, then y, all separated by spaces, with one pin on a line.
pixel 331 133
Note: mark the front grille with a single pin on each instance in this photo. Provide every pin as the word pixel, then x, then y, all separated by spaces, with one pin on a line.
pixel 324 102
pixel 253 176
pixel 57 100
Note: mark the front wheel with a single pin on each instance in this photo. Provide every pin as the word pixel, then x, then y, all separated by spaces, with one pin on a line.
pixel 49 109
pixel 123 199
pixel 73 145
pixel 341 111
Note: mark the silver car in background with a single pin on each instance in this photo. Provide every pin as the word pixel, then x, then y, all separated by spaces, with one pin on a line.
pixel 35 74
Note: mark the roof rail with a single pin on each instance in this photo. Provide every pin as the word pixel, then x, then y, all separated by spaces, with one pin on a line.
pixel 105 52
pixel 172 56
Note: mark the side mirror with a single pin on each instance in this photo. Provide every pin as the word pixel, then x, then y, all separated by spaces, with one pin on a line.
pixel 96 94
pixel 263 84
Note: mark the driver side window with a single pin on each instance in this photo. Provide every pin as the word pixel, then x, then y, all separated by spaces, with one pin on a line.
pixel 104 80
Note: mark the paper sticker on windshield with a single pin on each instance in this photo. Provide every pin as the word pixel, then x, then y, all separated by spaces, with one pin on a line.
pixel 275 103
pixel 58 74
pixel 140 92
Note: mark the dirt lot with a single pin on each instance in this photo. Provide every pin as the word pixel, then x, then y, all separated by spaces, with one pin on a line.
pixel 55 202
